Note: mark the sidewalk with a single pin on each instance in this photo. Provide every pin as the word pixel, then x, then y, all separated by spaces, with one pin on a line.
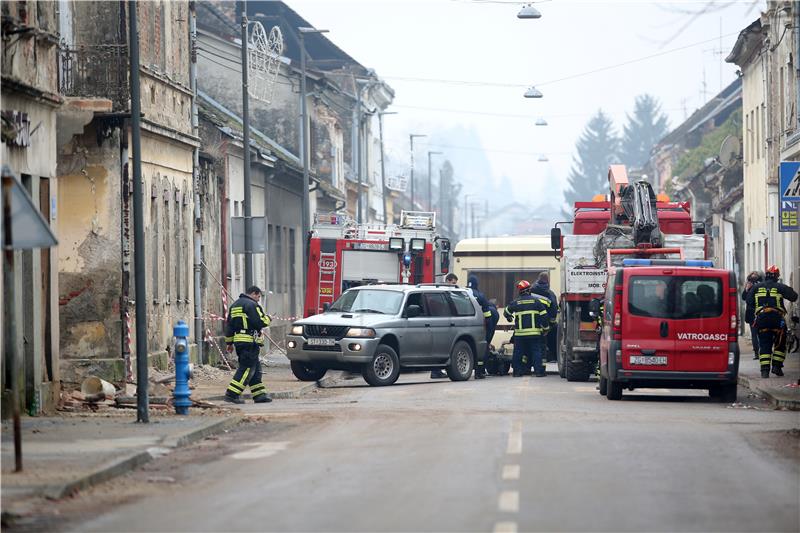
pixel 63 454
pixel 210 383
pixel 783 391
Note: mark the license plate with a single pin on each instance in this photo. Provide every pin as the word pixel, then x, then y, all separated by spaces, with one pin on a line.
pixel 321 341
pixel 648 360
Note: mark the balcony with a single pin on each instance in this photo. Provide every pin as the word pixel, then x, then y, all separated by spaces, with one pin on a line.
pixel 95 72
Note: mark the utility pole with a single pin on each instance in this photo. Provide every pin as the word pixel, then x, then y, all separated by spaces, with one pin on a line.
pixel 474 229
pixel 411 142
pixel 357 150
pixel 430 182
pixel 383 167
pixel 198 223
pixel 466 216
pixel 247 204
pixel 142 399
pixel 304 147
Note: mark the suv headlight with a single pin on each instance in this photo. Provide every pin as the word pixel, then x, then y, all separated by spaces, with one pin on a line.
pixel 297 330
pixel 360 332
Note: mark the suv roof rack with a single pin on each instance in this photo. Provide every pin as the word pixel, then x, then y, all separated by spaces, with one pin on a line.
pixel 440 284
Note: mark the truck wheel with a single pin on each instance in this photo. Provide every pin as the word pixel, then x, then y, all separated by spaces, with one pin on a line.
pixel 561 357
pixel 384 369
pixel 577 371
pixel 307 372
pixel 603 386
pixel 614 390
pixel 461 362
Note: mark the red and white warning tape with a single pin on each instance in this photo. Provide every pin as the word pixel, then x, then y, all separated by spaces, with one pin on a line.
pixel 212 340
pixel 129 341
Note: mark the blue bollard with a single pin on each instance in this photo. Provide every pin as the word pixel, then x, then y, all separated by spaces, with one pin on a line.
pixel 182 368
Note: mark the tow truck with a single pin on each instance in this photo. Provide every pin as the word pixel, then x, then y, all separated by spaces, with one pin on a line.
pixel 345 254
pixel 631 218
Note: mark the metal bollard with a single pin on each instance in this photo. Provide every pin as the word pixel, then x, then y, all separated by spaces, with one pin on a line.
pixel 183 370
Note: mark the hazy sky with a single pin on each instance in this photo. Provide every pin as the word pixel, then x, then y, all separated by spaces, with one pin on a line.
pixel 485 43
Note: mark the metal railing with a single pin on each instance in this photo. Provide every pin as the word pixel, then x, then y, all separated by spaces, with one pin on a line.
pixel 99 71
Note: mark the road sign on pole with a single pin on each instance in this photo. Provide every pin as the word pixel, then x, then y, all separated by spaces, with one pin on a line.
pixel 789 201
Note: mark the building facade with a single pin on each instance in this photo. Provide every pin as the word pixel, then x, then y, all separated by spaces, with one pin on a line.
pixel 767 54
pixel 30 104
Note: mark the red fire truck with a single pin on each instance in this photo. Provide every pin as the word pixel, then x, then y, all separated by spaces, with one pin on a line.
pixel 344 254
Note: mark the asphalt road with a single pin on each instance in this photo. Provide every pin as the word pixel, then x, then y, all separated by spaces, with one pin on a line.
pixel 501 454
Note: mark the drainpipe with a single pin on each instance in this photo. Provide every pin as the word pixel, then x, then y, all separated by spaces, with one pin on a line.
pixel 198 223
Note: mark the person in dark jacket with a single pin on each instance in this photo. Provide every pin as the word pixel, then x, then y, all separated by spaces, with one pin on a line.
pixel 766 299
pixel 753 278
pixel 529 313
pixel 542 288
pixel 243 328
pixel 450 279
pixel 490 319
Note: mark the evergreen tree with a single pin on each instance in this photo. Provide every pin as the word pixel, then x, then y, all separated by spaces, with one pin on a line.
pixel 596 148
pixel 644 129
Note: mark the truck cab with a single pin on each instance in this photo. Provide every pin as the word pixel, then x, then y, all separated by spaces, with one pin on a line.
pixel 669 324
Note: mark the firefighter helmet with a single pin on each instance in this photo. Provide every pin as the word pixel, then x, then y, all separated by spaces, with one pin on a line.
pixel 524 286
pixel 773 272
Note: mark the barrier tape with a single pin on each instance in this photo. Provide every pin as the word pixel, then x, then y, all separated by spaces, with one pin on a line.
pixel 213 340
pixel 129 341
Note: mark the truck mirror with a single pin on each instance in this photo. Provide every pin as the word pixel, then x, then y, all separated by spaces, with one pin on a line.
pixel 555 238
pixel 700 230
pixel 413 311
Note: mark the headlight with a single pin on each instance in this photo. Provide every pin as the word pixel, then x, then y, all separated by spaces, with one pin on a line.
pixel 360 332
pixel 297 330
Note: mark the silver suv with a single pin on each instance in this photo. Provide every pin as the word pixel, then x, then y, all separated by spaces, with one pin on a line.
pixel 381 329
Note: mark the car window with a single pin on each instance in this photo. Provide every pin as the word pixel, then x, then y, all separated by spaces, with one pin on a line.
pixel 676 297
pixel 437 304
pixel 415 298
pixel 369 301
pixel 462 303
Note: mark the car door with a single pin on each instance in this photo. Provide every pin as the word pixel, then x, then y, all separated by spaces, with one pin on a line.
pixel 647 342
pixel 441 321
pixel 466 317
pixel 415 343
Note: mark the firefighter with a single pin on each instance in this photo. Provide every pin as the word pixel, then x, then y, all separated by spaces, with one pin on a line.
pixel 542 288
pixel 753 278
pixel 766 299
pixel 490 319
pixel 243 331
pixel 531 316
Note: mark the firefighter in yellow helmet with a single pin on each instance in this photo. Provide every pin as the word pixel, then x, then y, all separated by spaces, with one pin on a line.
pixel 766 300
pixel 530 314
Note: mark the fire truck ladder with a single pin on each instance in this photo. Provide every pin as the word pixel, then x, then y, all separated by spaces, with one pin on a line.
pixel 327 280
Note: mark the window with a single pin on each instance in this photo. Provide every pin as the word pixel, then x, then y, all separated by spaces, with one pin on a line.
pixel 676 297
pixel 502 286
pixel 437 304
pixel 154 255
pixel 272 261
pixel 462 303
pixel 293 261
pixel 415 298
pixel 369 301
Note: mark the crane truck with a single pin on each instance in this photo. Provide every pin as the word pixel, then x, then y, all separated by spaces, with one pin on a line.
pixel 630 217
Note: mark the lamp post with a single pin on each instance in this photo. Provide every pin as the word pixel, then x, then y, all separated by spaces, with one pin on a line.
pixel 304 145
pixel 466 216
pixel 411 137
pixel 383 167
pixel 430 181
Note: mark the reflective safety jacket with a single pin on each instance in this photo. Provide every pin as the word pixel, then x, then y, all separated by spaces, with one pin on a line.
pixel 245 320
pixel 769 296
pixel 530 314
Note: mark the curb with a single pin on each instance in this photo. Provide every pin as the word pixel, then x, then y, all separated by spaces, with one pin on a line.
pixel 123 465
pixel 783 403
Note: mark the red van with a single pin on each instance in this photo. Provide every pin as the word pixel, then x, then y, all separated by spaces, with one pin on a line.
pixel 669 324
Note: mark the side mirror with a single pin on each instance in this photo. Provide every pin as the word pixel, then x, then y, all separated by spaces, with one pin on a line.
pixel 700 230
pixel 413 311
pixel 555 238
pixel 325 307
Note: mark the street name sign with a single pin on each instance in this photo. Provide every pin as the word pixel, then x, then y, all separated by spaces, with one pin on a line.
pixel 789 201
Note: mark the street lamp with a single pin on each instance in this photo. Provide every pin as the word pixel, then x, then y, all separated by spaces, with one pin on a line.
pixel 383 167
pixel 411 137
pixel 430 180
pixel 466 216
pixel 543 159
pixel 541 122
pixel 533 92
pixel 529 12
pixel 302 31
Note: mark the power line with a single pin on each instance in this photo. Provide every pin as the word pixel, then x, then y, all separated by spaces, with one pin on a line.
pixel 512 115
pixel 496 150
pixel 475 83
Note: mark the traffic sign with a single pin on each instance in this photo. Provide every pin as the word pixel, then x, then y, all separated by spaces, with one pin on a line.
pixel 789 201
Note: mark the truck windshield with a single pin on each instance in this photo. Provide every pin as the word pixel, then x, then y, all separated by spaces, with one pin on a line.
pixel 369 301
pixel 676 297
